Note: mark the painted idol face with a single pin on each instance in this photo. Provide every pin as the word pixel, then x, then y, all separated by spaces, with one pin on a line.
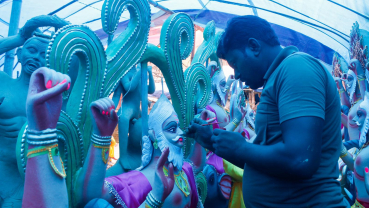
pixel 362 119
pixel 32 55
pixel 164 123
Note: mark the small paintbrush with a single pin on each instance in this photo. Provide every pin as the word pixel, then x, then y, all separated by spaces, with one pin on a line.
pixel 211 124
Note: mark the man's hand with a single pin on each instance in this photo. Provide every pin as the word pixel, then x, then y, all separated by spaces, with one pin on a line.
pixel 202 134
pixel 104 117
pixel 225 143
pixel 44 100
pixel 163 185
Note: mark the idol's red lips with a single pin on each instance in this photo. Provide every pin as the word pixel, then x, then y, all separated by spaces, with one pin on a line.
pixel 180 139
pixel 353 125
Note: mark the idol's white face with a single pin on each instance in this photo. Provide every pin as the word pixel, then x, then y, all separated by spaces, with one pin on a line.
pixel 359 119
pixel 222 85
pixel 171 130
pixel 350 81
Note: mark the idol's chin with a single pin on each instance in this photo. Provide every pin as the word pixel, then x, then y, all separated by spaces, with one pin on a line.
pixel 29 69
pixel 178 143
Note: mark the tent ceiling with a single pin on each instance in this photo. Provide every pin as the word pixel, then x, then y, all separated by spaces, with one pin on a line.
pixel 327 21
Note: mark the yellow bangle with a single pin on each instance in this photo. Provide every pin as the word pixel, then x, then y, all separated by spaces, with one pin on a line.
pixel 51 151
pixel 104 150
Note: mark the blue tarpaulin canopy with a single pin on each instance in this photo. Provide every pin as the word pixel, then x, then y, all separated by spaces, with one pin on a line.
pixel 317 27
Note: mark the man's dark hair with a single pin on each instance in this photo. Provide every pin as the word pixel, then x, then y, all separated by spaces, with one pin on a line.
pixel 240 29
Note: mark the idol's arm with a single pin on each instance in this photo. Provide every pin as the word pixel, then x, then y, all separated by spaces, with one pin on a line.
pixel 44 181
pixel 9 43
pixel 298 156
pixel 151 87
pixel 347 157
pixel 130 83
pixel 344 119
pixel 360 74
pixel 27 30
pixel 117 94
pixel 343 94
pixel 90 181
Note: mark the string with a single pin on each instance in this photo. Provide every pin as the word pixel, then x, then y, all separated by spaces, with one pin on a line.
pixel 129 89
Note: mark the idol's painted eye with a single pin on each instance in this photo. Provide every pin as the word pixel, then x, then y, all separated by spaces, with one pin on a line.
pixel 172 130
pixel 171 127
pixel 359 113
pixel 211 179
pixel 223 83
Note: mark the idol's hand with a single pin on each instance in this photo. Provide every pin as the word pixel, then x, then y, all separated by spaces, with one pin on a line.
pixel 41 21
pixel 355 66
pixel 226 142
pixel 104 117
pixel 338 82
pixel 230 80
pixel 163 185
pixel 202 134
pixel 212 68
pixel 208 116
pixel 44 100
pixel 241 107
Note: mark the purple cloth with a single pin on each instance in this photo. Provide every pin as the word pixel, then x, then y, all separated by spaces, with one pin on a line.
pixel 131 187
pixel 192 181
pixel 216 162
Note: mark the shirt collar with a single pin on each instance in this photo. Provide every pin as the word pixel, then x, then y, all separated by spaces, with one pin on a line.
pixel 281 56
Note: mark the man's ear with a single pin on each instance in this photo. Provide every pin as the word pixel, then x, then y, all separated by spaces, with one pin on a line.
pixel 152 135
pixel 254 46
pixel 19 53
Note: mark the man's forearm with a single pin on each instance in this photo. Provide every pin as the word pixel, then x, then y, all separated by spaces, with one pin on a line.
pixel 272 160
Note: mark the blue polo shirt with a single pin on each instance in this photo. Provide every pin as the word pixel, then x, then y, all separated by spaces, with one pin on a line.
pixel 297 85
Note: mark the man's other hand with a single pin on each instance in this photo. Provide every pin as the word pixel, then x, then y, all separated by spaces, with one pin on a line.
pixel 225 143
pixel 202 134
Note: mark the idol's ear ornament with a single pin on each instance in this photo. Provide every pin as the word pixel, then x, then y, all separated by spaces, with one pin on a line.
pixel 225 185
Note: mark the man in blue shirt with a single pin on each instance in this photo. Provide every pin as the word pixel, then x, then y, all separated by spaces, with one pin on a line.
pixel 293 161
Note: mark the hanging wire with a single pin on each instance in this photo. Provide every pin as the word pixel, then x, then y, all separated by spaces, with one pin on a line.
pixel 284 15
pixel 15 65
pixel 307 16
pixel 129 89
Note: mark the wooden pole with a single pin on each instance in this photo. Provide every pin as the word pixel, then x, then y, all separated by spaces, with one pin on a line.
pixel 144 99
pixel 13 30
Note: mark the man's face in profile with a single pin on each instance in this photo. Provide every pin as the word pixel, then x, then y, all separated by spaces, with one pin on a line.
pixel 246 67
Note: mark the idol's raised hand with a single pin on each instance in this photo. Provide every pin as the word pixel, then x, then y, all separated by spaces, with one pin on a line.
pixel 104 117
pixel 163 185
pixel 44 100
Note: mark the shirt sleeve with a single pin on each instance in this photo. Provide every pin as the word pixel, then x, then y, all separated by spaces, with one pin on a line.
pixel 300 88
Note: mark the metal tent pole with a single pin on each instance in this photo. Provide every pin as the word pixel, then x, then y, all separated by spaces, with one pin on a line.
pixel 144 100
pixel 13 30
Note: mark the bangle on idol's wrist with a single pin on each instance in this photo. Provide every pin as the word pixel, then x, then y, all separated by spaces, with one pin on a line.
pixel 103 143
pixel 361 77
pixel 51 151
pixel 152 201
pixel 343 151
pixel 235 122
pixel 341 91
pixel 101 140
pixel 43 137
